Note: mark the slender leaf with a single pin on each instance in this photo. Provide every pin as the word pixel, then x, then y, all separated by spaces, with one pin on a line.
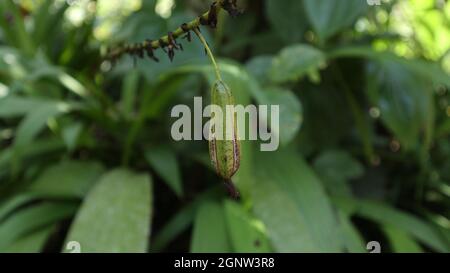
pixel 165 163
pixel 247 234
pixel 210 232
pixel 401 242
pixel 406 222
pixel 31 243
pixel 32 218
pixel 67 179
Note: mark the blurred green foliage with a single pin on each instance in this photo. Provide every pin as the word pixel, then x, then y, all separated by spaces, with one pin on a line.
pixel 86 153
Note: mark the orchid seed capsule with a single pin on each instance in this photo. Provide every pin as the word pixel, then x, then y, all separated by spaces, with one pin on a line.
pixel 224 150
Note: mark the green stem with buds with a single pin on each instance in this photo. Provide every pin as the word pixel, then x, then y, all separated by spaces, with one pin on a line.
pixel 208 18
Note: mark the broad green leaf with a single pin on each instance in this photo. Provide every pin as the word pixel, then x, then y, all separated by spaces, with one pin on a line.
pixel 404 99
pixel 294 62
pixel 210 231
pixel 328 17
pixel 286 227
pixel 336 167
pixel 293 205
pixel 247 234
pixel 31 218
pixel 259 67
pixel 290 112
pixel 287 18
pixel 164 162
pixel 401 242
pixel 115 215
pixel 32 242
pixel 67 179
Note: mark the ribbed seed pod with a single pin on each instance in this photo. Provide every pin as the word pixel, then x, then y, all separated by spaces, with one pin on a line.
pixel 224 153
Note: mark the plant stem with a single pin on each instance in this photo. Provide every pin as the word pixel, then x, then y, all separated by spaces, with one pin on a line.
pixel 208 50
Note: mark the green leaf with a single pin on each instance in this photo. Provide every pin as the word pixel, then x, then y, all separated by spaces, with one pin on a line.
pixel 406 222
pixel 336 167
pixel 67 179
pixel 292 203
pixel 401 242
pixel 403 87
pixel 12 203
pixel 36 120
pixel 31 218
pixel 246 233
pixel 45 21
pixel 71 133
pixel 181 221
pixel 404 99
pixel 286 227
pixel 32 242
pixel 294 62
pixel 164 162
pixel 16 106
pixel 423 68
pixel 328 17
pixel 129 91
pixel 287 18
pixel 42 69
pixel 353 241
pixel 338 164
pixel 37 148
pixel 290 115
pixel 210 232
pixel 176 225
pixel 16 31
pixel 259 67
pixel 16 201
pixel 115 216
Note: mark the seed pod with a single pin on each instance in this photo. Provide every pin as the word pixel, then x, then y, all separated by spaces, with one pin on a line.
pixel 224 153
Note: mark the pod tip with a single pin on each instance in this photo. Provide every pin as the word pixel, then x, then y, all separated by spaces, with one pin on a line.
pixel 231 188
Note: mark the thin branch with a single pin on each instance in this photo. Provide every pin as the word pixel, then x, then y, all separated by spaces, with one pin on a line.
pixel 168 43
